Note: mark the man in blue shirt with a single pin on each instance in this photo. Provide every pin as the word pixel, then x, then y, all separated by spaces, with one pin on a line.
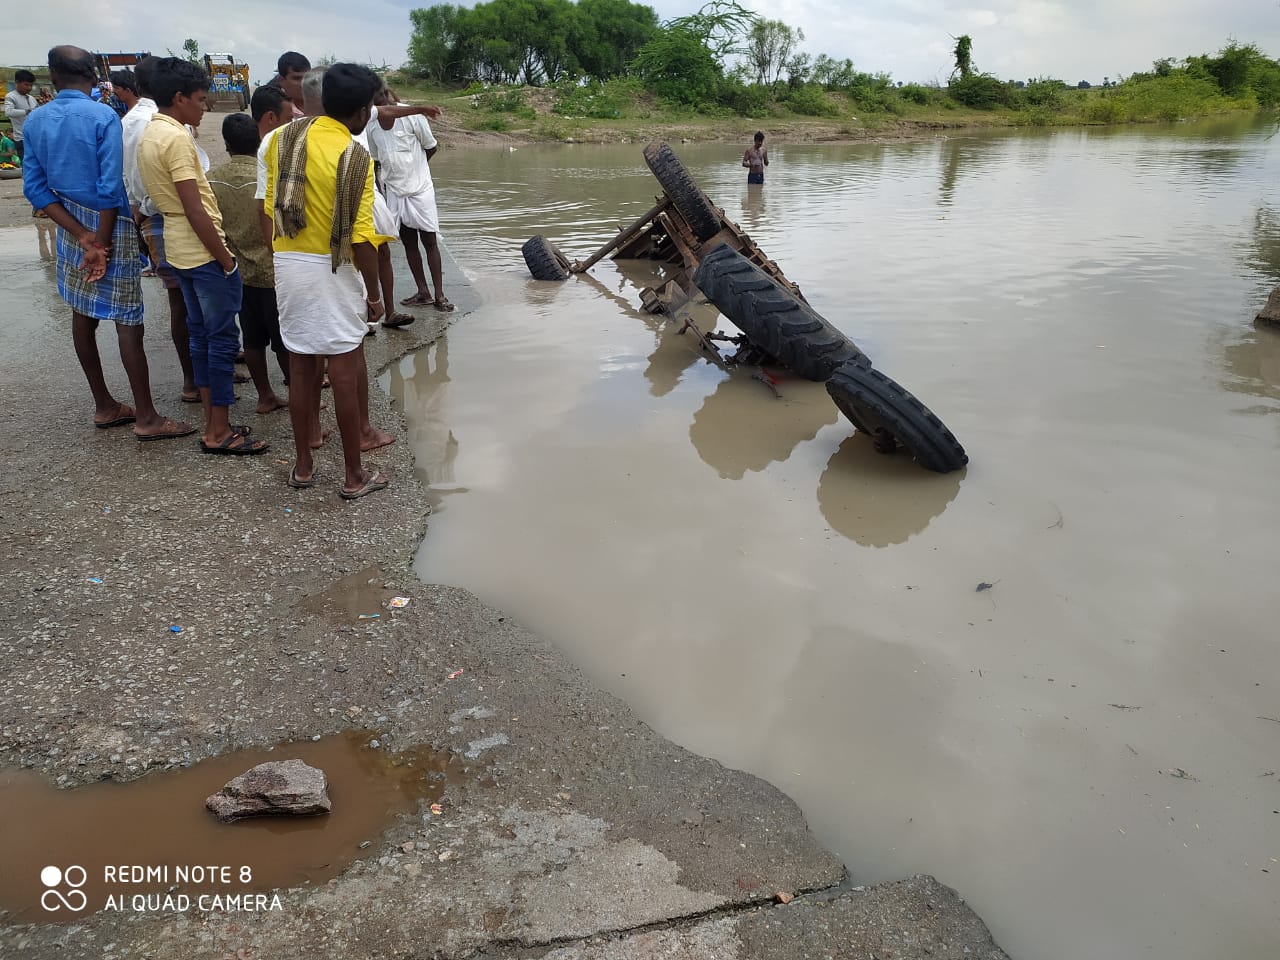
pixel 74 173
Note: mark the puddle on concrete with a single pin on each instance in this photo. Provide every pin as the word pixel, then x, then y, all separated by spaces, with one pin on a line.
pixel 357 596
pixel 161 820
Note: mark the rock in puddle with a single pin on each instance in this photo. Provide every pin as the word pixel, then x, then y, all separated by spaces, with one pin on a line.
pixel 281 787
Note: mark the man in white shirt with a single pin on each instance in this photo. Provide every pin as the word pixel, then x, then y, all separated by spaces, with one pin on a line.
pixel 403 147
pixel 151 223
pixel 18 104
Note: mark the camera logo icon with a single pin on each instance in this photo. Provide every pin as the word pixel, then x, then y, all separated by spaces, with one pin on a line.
pixel 54 878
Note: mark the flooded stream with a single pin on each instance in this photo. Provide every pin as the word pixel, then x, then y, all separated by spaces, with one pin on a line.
pixel 1088 750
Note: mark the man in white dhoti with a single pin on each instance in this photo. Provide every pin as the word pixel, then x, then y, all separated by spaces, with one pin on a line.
pixel 404 148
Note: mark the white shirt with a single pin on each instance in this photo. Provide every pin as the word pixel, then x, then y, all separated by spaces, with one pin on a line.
pixel 17 106
pixel 132 125
pixel 402 153
pixel 267 144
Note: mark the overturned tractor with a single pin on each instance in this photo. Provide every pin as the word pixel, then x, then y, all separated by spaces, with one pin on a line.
pixel 705 251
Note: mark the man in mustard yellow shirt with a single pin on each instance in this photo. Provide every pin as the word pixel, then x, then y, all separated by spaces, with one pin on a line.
pixel 196 247
pixel 319 193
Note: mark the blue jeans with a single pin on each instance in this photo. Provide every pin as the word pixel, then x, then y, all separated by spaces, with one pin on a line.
pixel 213 300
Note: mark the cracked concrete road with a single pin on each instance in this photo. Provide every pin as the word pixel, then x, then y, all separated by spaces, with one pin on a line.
pixel 578 832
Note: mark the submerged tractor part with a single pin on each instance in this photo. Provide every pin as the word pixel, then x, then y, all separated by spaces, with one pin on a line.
pixel 703 250
pixel 773 318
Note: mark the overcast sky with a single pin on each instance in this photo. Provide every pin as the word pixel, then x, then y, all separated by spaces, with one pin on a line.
pixel 911 39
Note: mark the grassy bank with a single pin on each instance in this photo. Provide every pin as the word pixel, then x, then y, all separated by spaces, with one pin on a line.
pixel 621 110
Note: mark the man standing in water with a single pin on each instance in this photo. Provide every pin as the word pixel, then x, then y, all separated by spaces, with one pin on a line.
pixel 756 159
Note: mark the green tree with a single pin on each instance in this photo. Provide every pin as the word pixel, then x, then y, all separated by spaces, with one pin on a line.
pixel 720 26
pixel 677 64
pixel 431 45
pixel 964 56
pixel 613 32
pixel 769 46
pixel 191 50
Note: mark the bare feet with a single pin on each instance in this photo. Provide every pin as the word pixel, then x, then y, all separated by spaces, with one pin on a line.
pixel 318 442
pixel 270 403
pixel 375 438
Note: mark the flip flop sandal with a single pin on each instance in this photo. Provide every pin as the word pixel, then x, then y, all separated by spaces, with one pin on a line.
pixel 417 300
pixel 443 305
pixel 178 432
pixel 297 484
pixel 399 320
pixel 371 330
pixel 375 483
pixel 247 448
pixel 239 377
pixel 118 421
pixel 195 399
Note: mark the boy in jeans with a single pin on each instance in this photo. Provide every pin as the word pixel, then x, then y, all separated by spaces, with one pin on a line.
pixel 196 247
pixel 233 185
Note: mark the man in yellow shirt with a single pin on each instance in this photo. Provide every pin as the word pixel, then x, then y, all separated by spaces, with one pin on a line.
pixel 196 247
pixel 319 192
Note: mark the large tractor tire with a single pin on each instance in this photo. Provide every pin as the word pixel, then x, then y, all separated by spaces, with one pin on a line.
pixel 544 259
pixel 891 416
pixel 772 317
pixel 698 211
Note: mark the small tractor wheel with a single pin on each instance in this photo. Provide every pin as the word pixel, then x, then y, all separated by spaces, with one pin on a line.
pixel 544 259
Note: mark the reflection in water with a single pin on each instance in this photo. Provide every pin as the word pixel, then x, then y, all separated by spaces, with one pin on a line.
pixel 742 426
pixel 1252 365
pixel 673 352
pixel 1262 251
pixel 47 232
pixel 879 500
pixel 753 207
pixel 425 390
pixel 950 171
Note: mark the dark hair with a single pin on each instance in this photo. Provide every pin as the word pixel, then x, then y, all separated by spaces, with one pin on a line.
pixel 348 88
pixel 173 76
pixel 292 62
pixel 759 135
pixel 23 76
pixel 126 80
pixel 69 62
pixel 266 99
pixel 143 72
pixel 241 135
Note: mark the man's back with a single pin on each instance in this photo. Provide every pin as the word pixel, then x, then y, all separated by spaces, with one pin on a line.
pixel 402 153
pixel 74 146
pixel 326 139
pixel 233 185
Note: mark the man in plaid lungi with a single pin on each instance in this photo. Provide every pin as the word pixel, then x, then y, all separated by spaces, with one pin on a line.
pixel 74 173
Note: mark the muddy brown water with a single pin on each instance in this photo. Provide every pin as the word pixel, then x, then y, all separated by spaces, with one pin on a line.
pixel 1078 750
pixel 158 825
